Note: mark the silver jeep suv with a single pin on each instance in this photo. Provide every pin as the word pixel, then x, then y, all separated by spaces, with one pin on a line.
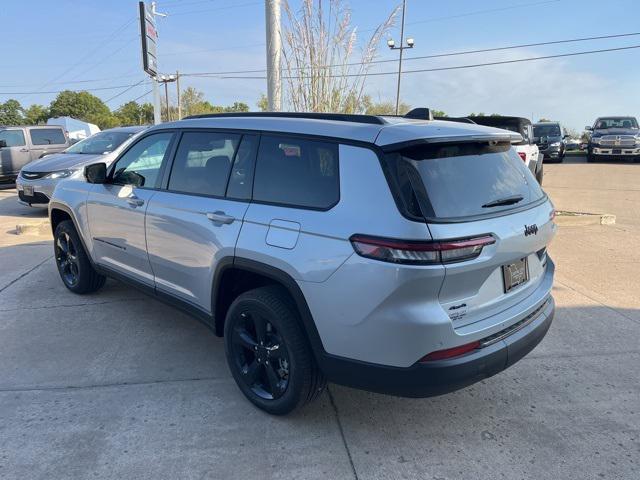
pixel 390 254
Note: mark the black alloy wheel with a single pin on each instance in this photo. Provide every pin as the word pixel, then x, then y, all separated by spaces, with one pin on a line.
pixel 66 253
pixel 260 355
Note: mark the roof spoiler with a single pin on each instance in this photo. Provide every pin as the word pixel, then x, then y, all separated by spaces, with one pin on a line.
pixel 419 114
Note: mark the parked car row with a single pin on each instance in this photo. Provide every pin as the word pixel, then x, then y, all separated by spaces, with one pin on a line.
pixel 396 255
pixel 38 179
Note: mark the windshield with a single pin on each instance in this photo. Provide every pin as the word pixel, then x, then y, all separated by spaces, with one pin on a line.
pixel 462 180
pixel 616 122
pixel 102 142
pixel 550 130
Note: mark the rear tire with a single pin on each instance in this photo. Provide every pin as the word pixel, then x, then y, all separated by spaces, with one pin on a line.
pixel 268 353
pixel 73 263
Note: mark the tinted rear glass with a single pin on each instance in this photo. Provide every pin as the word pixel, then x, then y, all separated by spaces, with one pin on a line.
pixel 47 136
pixel 461 180
pixel 551 130
pixel 616 122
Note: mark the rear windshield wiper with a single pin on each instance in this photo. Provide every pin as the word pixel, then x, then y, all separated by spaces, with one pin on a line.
pixel 504 201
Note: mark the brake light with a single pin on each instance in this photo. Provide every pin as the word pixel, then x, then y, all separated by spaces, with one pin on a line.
pixel 419 253
pixel 451 352
pixel 523 156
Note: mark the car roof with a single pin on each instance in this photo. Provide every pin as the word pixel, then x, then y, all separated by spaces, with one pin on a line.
pixel 386 131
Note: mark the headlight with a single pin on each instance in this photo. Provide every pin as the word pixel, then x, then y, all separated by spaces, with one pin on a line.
pixel 555 144
pixel 595 140
pixel 61 174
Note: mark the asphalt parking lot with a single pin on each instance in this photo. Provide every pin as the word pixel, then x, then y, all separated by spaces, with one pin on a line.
pixel 117 385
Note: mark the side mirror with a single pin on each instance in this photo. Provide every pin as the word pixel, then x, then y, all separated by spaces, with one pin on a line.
pixel 3 143
pixel 96 173
pixel 588 128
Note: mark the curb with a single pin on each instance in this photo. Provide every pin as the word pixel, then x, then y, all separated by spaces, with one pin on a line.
pixel 40 228
pixel 575 219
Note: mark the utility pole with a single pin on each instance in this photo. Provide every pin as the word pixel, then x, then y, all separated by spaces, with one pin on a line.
pixel 274 49
pixel 402 47
pixel 157 110
pixel 178 95
pixel 167 79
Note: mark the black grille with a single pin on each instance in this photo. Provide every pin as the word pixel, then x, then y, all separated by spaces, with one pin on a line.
pixel 37 197
pixel 33 175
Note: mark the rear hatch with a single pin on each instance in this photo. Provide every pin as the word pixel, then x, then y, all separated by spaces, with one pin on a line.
pixel 478 190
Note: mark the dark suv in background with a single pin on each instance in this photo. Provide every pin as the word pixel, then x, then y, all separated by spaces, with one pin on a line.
pixel 550 140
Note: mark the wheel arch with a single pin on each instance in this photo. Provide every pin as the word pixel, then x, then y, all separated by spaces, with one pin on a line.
pixel 237 275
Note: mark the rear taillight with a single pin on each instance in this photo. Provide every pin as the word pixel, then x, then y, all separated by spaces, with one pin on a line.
pixel 450 352
pixel 419 253
pixel 523 156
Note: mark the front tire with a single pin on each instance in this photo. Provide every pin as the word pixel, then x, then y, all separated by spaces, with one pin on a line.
pixel 268 354
pixel 73 263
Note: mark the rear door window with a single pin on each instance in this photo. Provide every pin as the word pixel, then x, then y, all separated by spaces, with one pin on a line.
pixel 455 181
pixel 47 136
pixel 297 172
pixel 203 162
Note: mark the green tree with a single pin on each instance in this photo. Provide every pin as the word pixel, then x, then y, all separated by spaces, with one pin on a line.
pixel 83 106
pixel 439 113
pixel 262 103
pixel 146 111
pixel 237 107
pixel 382 107
pixel 11 113
pixel 36 114
pixel 129 114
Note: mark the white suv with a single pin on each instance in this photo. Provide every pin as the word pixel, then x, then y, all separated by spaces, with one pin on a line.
pixel 395 255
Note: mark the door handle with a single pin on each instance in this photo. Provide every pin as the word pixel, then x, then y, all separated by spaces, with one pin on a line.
pixel 134 201
pixel 24 149
pixel 220 217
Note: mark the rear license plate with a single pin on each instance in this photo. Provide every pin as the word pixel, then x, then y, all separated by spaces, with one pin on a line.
pixel 617 151
pixel 515 274
pixel 28 190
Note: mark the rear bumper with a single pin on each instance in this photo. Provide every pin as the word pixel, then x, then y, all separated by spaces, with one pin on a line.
pixel 444 376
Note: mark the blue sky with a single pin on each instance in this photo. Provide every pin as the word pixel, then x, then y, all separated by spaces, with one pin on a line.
pixel 95 45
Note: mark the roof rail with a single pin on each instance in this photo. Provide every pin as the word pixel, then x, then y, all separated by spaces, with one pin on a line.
pixel 340 117
pixel 419 114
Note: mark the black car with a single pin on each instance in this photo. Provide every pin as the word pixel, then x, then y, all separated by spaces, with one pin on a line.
pixel 550 140
pixel 614 138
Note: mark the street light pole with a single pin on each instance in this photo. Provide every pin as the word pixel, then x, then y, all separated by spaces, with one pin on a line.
pixel 167 79
pixel 402 47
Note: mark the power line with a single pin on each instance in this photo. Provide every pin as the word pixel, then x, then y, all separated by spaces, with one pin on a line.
pixel 124 91
pixel 90 53
pixel 58 91
pixel 216 9
pixel 439 55
pixel 438 69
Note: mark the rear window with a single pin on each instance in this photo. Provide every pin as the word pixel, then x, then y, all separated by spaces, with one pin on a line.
pixel 455 181
pixel 47 136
